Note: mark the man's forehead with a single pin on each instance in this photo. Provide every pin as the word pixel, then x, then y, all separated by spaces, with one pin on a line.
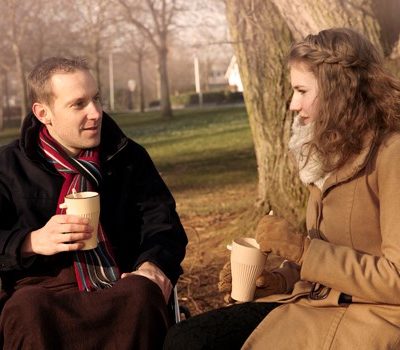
pixel 72 84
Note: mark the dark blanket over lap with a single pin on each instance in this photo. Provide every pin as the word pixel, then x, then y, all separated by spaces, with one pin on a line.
pixel 50 313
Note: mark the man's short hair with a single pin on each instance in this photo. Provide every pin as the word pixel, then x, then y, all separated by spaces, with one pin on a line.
pixel 39 80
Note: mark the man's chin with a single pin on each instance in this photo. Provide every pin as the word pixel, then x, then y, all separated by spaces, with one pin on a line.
pixel 91 144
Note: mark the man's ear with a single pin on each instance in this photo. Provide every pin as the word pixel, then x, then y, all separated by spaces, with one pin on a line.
pixel 42 112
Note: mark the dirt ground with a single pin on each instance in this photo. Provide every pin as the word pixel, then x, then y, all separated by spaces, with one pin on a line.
pixel 208 236
pixel 205 256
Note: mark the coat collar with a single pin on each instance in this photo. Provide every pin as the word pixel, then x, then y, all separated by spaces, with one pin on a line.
pixel 112 137
pixel 354 165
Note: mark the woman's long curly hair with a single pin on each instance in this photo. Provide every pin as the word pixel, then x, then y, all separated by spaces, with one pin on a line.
pixel 355 94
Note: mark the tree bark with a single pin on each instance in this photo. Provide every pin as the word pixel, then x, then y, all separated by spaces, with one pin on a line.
pixel 262 31
pixel 262 39
pixel 311 16
pixel 156 25
pixel 141 83
pixel 2 100
pixel 165 101
pixel 21 75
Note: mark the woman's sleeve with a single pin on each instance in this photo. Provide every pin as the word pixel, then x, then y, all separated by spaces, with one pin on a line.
pixel 290 272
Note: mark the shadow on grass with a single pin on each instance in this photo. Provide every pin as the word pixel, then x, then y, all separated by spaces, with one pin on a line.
pixel 222 168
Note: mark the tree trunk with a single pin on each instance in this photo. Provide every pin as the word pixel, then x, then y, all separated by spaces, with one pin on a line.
pixel 6 94
pixel 262 40
pixel 21 75
pixel 2 100
pixel 262 31
pixel 165 102
pixel 97 71
pixel 311 16
pixel 141 83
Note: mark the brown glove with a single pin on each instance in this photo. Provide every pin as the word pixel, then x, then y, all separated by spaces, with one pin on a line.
pixel 267 284
pixel 275 235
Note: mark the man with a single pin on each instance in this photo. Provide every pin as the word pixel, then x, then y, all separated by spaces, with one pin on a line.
pixel 55 294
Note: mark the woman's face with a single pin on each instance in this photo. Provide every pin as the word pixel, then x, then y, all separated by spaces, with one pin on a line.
pixel 305 91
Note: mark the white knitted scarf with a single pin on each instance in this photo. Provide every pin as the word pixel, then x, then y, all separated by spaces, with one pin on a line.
pixel 310 170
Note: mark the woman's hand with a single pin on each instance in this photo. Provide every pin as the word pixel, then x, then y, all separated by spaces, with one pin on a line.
pixel 267 283
pixel 275 235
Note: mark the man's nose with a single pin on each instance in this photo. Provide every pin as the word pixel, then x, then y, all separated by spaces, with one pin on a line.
pixel 95 111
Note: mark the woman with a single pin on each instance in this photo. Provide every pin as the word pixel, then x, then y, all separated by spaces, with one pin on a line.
pixel 340 286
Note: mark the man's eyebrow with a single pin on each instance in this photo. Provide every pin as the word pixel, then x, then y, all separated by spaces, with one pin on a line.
pixel 76 99
pixel 83 98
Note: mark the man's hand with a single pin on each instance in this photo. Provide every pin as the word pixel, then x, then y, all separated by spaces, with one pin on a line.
pixel 60 234
pixel 152 272
pixel 267 283
pixel 275 235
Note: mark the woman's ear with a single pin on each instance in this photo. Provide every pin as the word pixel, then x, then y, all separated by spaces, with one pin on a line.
pixel 42 113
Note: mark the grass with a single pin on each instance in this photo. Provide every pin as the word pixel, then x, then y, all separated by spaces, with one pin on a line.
pixel 200 151
pixel 8 135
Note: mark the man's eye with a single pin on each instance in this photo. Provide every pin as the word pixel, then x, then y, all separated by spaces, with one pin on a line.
pixel 79 104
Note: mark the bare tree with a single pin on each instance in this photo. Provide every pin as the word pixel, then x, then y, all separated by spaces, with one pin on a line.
pixel 93 29
pixel 6 65
pixel 139 50
pixel 18 19
pixel 155 19
pixel 262 31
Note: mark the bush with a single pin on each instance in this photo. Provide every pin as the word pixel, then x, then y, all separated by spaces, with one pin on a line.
pixel 12 111
pixel 187 99
pixel 216 97
pixel 155 103
pixel 212 97
pixel 234 97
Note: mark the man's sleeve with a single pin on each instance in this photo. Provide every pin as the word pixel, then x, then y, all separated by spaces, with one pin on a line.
pixel 163 239
pixel 11 233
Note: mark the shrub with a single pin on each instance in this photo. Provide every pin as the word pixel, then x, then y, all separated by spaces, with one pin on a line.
pixel 154 103
pixel 212 97
pixel 234 97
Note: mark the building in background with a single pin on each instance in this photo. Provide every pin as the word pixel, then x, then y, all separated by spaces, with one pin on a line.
pixel 233 76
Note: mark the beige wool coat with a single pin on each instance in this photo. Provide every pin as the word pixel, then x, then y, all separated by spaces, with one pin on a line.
pixel 357 218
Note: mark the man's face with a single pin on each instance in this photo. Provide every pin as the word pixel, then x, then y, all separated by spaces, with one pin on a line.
pixel 74 117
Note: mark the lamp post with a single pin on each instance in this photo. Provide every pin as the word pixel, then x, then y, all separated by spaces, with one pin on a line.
pixel 197 79
pixel 131 88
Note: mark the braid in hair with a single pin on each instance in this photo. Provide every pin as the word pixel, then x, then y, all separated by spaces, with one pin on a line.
pixel 355 95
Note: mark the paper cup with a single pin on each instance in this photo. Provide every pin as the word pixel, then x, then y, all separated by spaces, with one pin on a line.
pixel 86 205
pixel 247 264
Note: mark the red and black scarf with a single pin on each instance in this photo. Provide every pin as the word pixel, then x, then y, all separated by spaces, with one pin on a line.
pixel 95 268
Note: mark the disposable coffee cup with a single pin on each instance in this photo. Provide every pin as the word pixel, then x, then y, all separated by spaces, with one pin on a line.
pixel 247 264
pixel 86 205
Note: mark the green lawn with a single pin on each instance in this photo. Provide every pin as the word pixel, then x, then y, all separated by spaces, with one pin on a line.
pixel 203 150
pixel 197 148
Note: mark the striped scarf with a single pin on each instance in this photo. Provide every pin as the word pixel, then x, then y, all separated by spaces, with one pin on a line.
pixel 95 268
